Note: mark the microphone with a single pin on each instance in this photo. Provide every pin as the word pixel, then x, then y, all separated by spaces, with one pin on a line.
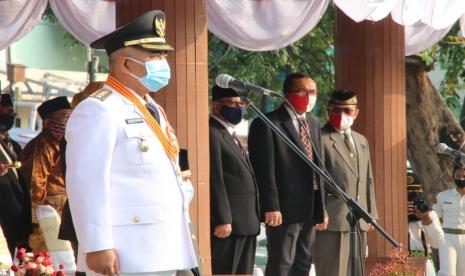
pixel 444 149
pixel 241 87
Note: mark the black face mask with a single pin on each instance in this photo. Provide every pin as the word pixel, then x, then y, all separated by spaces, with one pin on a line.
pixel 460 183
pixel 6 122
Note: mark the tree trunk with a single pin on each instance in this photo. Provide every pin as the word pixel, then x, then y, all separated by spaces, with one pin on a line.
pixel 429 122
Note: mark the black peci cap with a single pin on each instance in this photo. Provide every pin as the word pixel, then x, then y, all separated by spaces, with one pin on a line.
pixel 146 32
pixel 343 97
pixel 50 106
pixel 219 93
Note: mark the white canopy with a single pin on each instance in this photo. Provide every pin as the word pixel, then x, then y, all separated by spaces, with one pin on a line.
pixel 87 20
pixel 258 25
pixel 264 25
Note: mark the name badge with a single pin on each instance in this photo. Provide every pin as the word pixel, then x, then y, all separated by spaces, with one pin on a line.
pixel 134 121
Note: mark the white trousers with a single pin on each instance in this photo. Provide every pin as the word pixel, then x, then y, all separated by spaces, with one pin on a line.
pixel 452 256
pixel 430 268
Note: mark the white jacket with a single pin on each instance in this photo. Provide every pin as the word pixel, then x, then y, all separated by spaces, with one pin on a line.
pixel 120 196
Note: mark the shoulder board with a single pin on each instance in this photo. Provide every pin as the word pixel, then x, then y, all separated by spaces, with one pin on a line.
pixel 102 94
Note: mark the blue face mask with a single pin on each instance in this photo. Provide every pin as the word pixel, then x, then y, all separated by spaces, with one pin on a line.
pixel 233 115
pixel 158 74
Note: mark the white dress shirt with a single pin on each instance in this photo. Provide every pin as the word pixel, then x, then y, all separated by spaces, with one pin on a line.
pixel 450 207
pixel 229 128
pixel 295 120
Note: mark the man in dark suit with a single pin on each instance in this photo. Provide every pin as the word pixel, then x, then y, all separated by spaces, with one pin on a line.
pixel 347 159
pixel 233 191
pixel 15 202
pixel 290 192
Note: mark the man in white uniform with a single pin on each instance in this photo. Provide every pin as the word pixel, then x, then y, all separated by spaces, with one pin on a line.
pixel 450 207
pixel 123 177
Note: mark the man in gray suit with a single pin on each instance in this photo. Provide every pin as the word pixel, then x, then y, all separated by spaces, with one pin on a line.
pixel 347 158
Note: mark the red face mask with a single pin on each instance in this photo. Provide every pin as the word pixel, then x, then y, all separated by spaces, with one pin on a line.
pixel 299 102
pixel 341 121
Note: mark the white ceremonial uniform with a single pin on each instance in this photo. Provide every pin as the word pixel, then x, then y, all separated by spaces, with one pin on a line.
pixel 450 207
pixel 434 237
pixel 122 197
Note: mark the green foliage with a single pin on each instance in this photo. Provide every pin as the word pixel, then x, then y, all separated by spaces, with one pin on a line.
pixel 49 16
pixel 69 40
pixel 449 55
pixel 313 54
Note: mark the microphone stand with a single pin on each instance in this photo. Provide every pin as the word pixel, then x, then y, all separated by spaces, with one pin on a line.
pixel 356 211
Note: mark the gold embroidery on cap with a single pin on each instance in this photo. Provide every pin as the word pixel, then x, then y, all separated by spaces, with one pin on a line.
pixel 160 25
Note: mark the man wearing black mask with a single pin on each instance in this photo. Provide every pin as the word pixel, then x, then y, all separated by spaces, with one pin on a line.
pixel 233 190
pixel 7 120
pixel 15 202
pixel 450 207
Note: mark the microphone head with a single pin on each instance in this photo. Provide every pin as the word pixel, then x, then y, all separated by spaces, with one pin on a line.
pixel 223 80
pixel 441 148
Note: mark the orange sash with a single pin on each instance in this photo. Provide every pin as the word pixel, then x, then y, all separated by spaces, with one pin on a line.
pixel 170 144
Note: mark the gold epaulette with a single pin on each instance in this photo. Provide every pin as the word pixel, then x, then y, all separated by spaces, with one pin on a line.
pixel 102 94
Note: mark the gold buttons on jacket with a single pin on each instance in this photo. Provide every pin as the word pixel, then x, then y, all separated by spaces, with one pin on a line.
pixel 136 219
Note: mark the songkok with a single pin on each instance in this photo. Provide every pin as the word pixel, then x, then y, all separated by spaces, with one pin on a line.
pixel 5 100
pixel 50 106
pixel 146 32
pixel 183 160
pixel 219 93
pixel 343 97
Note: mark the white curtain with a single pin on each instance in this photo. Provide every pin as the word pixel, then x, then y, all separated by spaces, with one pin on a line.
pixel 87 20
pixel 438 14
pixel 442 14
pixel 408 12
pixel 420 36
pixel 17 18
pixel 264 24
pixel 258 25
pixel 359 10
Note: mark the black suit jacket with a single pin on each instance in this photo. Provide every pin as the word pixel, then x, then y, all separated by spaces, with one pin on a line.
pixel 284 180
pixel 15 202
pixel 16 147
pixel 233 190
